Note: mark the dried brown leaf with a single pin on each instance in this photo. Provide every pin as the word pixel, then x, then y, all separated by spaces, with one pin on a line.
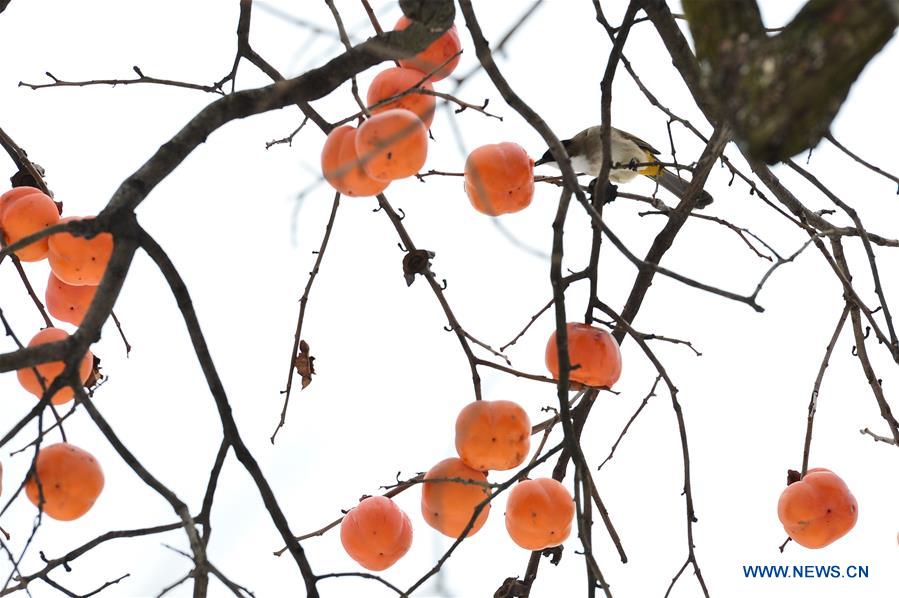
pixel 305 364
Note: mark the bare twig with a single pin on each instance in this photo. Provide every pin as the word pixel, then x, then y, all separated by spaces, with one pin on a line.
pixel 813 403
pixel 139 79
pixel 627 426
pixel 866 164
pixel 304 299
pixel 877 437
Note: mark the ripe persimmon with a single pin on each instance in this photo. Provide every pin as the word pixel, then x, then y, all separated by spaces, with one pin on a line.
pixel 499 178
pixel 8 198
pixel 70 481
pixel 493 435
pixel 376 534
pixel 442 49
pixel 449 506
pixel 79 261
pixel 50 370
pixel 392 81
pixel 25 214
pixel 539 514
pixel 818 509
pixel 392 144
pixel 68 302
pixel 593 353
pixel 341 166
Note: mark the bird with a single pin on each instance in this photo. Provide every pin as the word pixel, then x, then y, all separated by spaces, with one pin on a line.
pixel 585 152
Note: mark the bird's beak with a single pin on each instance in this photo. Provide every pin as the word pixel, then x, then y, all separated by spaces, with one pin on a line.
pixel 542 161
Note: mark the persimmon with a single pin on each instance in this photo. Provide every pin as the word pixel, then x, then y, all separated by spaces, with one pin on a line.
pixel 8 198
pixel 539 514
pixel 818 509
pixel 593 353
pixel 25 215
pixel 449 506
pixel 68 302
pixel 395 80
pixel 70 481
pixel 499 178
pixel 50 370
pixel 376 534
pixel 493 435
pixel 342 168
pixel 392 144
pixel 442 49
pixel 79 261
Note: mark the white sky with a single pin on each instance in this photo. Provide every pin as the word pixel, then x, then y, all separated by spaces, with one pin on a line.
pixel 390 380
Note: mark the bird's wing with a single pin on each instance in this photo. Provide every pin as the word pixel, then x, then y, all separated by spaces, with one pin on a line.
pixel 585 134
pixel 640 143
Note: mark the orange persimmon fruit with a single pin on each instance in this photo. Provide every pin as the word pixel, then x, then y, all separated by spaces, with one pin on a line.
pixel 68 302
pixel 395 80
pixel 376 534
pixel 392 144
pixel 70 481
pixel 449 506
pixel 493 435
pixel 593 353
pixel 431 58
pixel 499 178
pixel 50 370
pixel 341 166
pixel 8 198
pixel 818 509
pixel 79 261
pixel 539 514
pixel 25 214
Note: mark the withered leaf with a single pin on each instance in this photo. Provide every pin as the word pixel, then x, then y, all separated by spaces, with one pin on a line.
pixel 554 554
pixel 305 364
pixel 23 178
pixel 415 262
pixel 95 377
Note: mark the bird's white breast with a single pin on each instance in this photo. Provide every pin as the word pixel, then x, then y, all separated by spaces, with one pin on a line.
pixel 582 164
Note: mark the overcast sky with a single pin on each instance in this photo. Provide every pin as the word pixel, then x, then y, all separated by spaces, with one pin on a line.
pixel 240 223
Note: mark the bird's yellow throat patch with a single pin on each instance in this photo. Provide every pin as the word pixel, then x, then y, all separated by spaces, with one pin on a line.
pixel 650 171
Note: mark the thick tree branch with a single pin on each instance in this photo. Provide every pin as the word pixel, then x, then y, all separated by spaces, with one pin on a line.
pixel 185 305
pixel 309 86
pixel 781 93
pixel 676 220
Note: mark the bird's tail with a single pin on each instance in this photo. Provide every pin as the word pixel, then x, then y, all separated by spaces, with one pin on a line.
pixel 679 186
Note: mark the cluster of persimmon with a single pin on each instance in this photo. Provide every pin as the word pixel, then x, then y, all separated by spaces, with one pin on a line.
pixel 490 436
pixel 66 479
pixel 393 142
pixel 76 263
pixel 455 496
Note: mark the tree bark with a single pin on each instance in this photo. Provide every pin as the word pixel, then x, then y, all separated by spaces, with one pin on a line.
pixel 780 93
